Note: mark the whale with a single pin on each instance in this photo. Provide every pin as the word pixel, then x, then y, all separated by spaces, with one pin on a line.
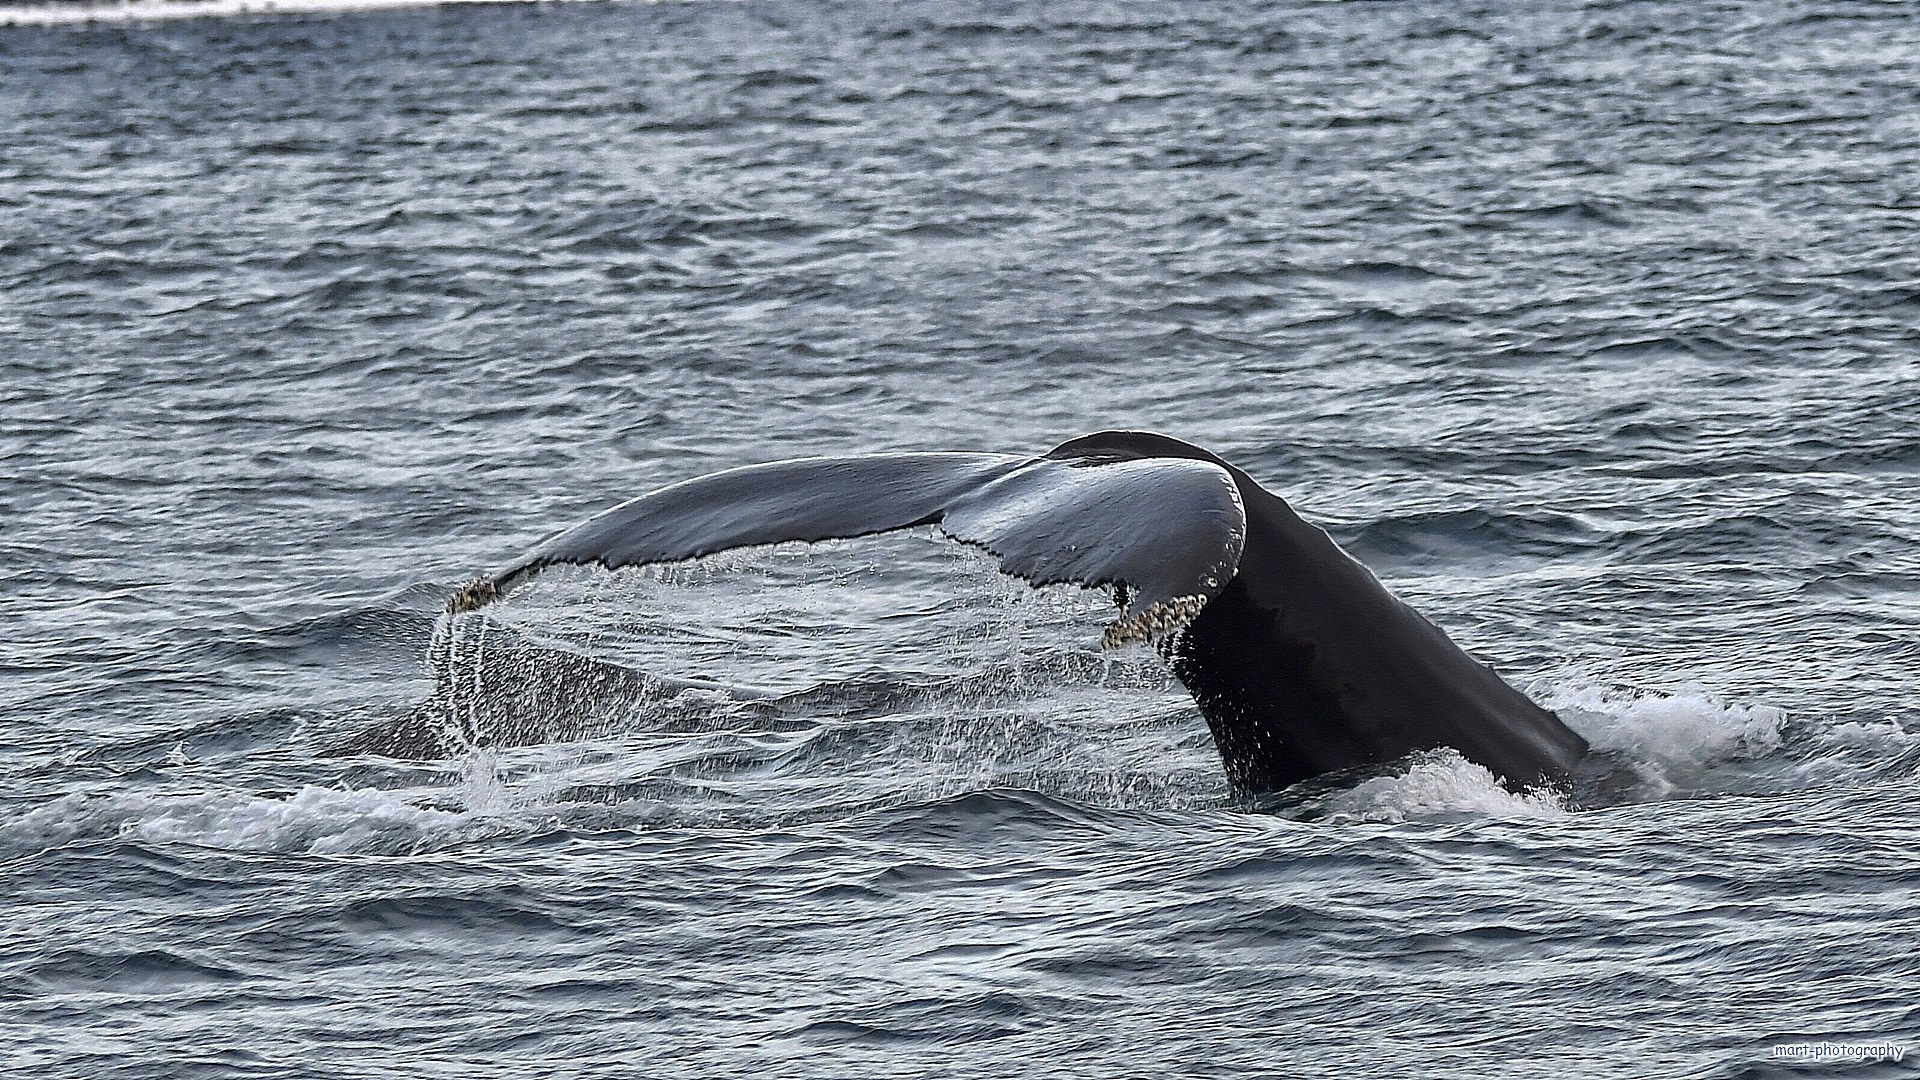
pixel 1301 662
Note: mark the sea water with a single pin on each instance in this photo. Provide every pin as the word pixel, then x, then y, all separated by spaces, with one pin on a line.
pixel 1590 327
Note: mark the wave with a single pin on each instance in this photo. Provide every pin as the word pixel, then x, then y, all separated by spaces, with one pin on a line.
pixel 1435 785
pixel 1690 743
pixel 1458 535
pixel 85 12
pixel 311 820
pixel 148 970
pixel 1677 745
pixel 911 775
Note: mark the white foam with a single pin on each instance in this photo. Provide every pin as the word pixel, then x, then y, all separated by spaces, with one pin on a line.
pixel 1687 727
pixel 1691 741
pixel 1881 739
pixel 1840 753
pixel 313 819
pixel 1668 739
pixel 1438 783
pixel 317 820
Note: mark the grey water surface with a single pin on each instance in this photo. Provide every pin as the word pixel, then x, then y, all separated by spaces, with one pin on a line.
pixel 1591 327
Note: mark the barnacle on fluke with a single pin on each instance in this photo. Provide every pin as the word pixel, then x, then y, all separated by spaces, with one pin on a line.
pixel 473 596
pixel 1159 621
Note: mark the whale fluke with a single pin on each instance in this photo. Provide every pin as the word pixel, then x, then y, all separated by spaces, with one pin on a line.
pixel 1168 532
pixel 1300 660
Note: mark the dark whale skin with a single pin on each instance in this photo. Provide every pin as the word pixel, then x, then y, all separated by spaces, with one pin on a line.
pixel 1305 664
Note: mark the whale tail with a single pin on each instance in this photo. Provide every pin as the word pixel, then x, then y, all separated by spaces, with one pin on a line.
pixel 1301 661
pixel 1166 533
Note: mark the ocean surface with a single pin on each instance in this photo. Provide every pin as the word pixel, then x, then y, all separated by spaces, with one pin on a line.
pixel 1590 327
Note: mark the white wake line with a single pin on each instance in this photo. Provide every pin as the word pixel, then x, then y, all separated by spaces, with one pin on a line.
pixel 123 11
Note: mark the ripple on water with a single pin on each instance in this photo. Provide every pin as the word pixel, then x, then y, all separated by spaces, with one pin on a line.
pixel 1580 329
